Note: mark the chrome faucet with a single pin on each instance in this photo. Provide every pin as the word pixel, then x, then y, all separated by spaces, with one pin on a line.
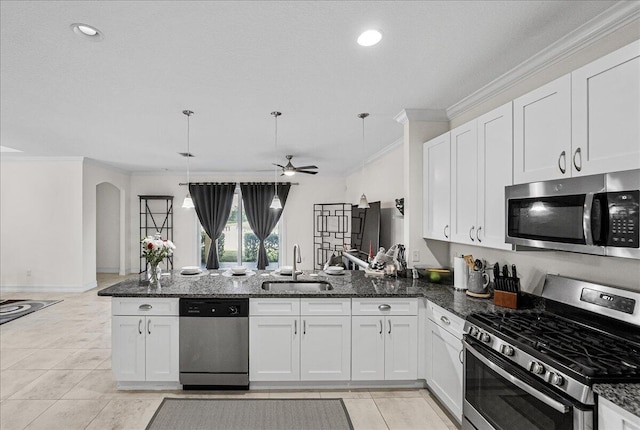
pixel 297 258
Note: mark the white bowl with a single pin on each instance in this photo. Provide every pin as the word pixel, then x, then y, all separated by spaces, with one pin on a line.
pixel 286 270
pixel 334 270
pixel 190 270
pixel 238 270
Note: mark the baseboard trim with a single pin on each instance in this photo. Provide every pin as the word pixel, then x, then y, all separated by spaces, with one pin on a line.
pixel 338 385
pixel 47 288
pixel 128 385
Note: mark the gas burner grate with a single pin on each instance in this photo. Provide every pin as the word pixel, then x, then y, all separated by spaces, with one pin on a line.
pixel 585 350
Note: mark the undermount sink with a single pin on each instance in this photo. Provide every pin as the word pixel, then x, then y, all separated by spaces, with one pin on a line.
pixel 298 286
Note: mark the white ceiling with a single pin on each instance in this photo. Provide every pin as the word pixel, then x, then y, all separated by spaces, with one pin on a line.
pixel 119 100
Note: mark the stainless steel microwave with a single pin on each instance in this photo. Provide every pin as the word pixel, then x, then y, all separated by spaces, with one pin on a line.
pixel 595 214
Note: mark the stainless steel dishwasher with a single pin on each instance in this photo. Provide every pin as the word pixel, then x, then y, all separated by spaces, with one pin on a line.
pixel 214 343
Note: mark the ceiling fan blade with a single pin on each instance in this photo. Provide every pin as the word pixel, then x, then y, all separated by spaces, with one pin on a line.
pixel 309 172
pixel 306 167
pixel 282 167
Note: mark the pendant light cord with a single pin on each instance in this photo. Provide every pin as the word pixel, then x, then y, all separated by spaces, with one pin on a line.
pixel 188 113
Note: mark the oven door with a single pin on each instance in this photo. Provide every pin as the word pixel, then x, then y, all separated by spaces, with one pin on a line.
pixel 500 396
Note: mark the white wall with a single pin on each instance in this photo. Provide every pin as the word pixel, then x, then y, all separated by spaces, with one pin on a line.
pixel 297 215
pixel 383 182
pixel 41 233
pixel 533 265
pixel 107 228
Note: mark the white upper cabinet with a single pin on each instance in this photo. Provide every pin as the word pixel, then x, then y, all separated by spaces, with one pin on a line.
pixel 495 171
pixel 606 113
pixel 481 166
pixel 464 172
pixel 542 133
pixel 436 167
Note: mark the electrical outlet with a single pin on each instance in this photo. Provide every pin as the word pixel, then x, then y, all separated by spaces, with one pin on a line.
pixel 415 256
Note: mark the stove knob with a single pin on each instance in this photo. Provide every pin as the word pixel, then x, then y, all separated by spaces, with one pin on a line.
pixel 485 337
pixel 556 379
pixel 473 331
pixel 507 350
pixel 536 368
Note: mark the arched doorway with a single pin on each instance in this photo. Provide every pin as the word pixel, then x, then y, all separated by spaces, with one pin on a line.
pixel 109 229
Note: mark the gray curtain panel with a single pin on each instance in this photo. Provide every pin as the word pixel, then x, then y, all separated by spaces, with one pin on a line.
pixel 262 219
pixel 213 206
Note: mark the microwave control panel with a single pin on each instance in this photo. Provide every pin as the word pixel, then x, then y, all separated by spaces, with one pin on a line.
pixel 624 218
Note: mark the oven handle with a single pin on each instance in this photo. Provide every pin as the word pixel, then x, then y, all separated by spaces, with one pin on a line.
pixel 518 383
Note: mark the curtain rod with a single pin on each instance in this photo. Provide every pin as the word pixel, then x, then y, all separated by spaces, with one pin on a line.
pixel 182 184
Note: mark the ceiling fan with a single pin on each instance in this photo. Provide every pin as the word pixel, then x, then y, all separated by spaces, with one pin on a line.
pixel 290 169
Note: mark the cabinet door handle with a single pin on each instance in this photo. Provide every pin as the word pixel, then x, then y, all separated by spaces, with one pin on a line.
pixel 304 326
pixel 445 320
pixel 445 231
pixel 471 234
pixel 139 326
pixel 384 307
pixel 478 234
pixel 389 321
pixel 563 158
pixel 578 152
pixel 295 327
pixel 149 326
pixel 145 307
pixel 380 326
pixel 460 356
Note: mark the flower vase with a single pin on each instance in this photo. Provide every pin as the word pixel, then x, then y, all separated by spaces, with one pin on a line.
pixel 153 275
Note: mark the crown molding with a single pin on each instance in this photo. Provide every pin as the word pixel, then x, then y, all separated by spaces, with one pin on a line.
pixel 26 158
pixel 607 22
pixel 434 115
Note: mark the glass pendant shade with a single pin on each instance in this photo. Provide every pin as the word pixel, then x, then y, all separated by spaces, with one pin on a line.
pixel 187 203
pixel 276 203
pixel 364 204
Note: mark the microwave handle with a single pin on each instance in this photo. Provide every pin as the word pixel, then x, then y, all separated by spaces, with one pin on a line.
pixel 586 218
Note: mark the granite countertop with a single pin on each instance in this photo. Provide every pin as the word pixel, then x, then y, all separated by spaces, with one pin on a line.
pixel 215 283
pixel 627 396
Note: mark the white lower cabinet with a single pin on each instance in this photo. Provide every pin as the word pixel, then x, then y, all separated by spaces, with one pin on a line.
pixel 444 350
pixel 296 347
pixel 145 346
pixel 613 417
pixel 385 344
pixel 274 349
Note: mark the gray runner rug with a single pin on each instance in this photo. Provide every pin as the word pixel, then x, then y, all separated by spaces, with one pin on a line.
pixel 251 414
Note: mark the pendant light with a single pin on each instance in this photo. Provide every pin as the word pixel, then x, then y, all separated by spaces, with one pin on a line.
pixel 276 203
pixel 363 204
pixel 188 203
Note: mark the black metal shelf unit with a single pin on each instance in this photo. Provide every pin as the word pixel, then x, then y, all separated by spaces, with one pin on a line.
pixel 156 216
pixel 331 231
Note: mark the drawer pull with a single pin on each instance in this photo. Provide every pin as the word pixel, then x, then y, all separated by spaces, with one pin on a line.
pixel 445 320
pixel 384 307
pixel 145 307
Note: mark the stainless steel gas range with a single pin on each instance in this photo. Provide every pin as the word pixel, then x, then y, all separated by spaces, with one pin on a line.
pixel 536 369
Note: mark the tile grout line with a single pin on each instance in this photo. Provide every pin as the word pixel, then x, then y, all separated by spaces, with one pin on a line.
pixel 99 412
pixel 380 412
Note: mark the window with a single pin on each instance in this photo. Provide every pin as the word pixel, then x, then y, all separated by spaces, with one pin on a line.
pixel 238 245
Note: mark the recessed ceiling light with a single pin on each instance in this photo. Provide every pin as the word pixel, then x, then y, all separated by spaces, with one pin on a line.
pixel 87 31
pixel 369 38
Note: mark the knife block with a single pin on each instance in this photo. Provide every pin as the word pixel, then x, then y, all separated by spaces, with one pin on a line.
pixel 506 299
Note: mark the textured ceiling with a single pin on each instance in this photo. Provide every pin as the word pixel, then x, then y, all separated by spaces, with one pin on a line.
pixel 119 100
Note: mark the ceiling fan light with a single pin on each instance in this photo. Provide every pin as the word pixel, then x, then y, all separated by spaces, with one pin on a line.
pixel 276 203
pixel 364 204
pixel 289 172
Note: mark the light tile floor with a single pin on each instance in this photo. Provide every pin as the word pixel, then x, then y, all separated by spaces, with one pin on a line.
pixel 55 373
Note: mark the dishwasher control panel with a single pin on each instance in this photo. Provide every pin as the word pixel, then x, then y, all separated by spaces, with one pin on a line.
pixel 212 308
